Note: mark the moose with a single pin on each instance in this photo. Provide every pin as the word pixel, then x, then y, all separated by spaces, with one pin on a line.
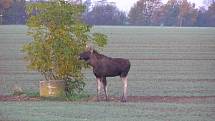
pixel 103 67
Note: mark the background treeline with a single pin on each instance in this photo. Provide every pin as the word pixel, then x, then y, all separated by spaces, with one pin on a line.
pixel 142 13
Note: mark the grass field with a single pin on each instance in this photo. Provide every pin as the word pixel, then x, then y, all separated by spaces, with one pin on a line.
pixel 64 111
pixel 165 61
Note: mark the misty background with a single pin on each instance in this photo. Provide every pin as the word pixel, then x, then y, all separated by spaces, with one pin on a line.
pixel 141 12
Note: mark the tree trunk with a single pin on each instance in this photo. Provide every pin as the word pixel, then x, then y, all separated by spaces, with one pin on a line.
pixel 1 17
pixel 181 22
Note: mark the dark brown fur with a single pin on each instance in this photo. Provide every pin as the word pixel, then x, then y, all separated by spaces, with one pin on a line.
pixel 104 66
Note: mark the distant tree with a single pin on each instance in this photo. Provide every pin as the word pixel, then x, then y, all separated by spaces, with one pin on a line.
pixel 183 11
pixel 16 13
pixel 187 13
pixel 201 19
pixel 178 13
pixel 88 4
pixel 169 13
pixel 210 15
pixel 208 2
pixel 193 14
pixel 142 11
pixel 4 5
pixel 157 17
pixel 105 14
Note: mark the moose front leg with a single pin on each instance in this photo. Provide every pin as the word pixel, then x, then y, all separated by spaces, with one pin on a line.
pixel 98 88
pixel 104 82
pixel 125 89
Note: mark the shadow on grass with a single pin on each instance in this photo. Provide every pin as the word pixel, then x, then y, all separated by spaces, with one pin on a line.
pixel 80 97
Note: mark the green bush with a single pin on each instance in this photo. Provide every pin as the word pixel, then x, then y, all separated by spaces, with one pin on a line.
pixel 59 36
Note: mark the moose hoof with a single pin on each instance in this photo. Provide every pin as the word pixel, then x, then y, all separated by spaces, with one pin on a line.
pixel 123 100
pixel 98 99
pixel 106 99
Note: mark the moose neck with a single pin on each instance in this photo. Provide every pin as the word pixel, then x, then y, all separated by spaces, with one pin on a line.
pixel 95 58
pixel 93 61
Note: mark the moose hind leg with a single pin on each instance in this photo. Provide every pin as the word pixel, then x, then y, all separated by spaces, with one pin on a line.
pixel 125 89
pixel 104 82
pixel 98 88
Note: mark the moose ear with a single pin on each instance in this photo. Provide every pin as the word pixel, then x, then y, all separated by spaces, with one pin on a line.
pixel 89 47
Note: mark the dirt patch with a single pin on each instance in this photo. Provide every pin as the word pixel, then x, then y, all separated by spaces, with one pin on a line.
pixel 19 98
pixel 152 99
pixel 162 99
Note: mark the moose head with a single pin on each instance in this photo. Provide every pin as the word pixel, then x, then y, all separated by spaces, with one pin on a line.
pixel 87 54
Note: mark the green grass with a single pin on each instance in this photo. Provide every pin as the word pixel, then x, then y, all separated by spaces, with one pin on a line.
pixel 66 111
pixel 32 94
pixel 165 61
